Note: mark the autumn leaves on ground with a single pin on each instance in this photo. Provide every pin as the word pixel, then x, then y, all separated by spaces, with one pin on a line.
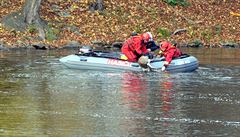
pixel 211 22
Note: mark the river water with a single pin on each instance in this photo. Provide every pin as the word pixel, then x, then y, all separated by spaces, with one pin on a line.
pixel 40 97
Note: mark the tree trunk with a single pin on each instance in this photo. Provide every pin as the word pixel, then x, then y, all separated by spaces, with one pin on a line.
pixel 30 11
pixel 31 15
pixel 28 15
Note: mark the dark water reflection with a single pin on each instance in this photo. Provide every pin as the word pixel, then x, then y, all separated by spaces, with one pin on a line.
pixel 40 97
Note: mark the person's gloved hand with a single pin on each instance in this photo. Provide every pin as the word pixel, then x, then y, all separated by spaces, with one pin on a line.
pixel 163 68
pixel 160 52
pixel 165 64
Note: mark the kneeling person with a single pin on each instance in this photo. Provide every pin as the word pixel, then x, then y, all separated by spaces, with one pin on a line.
pixel 169 51
pixel 134 47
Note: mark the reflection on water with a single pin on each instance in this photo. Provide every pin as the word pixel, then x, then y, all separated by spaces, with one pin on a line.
pixel 40 97
pixel 134 90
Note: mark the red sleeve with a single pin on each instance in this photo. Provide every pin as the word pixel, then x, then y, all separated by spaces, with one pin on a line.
pixel 138 47
pixel 170 55
pixel 141 49
pixel 144 49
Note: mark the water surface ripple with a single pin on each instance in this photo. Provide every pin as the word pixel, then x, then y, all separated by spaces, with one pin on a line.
pixel 40 97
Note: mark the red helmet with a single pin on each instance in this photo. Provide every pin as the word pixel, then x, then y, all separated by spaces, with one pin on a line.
pixel 147 36
pixel 165 45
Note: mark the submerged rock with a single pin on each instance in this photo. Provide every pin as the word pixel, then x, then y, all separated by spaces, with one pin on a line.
pixel 40 46
pixel 230 45
pixel 2 46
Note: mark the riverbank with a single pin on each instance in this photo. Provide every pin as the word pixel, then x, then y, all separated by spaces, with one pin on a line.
pixel 113 46
pixel 210 24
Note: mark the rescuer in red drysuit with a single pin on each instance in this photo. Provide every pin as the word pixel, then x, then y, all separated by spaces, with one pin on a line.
pixel 169 51
pixel 134 47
